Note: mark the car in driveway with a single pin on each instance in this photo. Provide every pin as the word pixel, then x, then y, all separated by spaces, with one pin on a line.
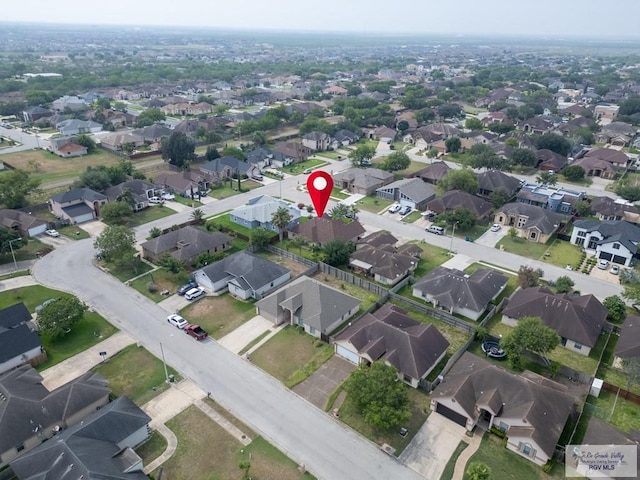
pixel 44 304
pixel 52 233
pixel 156 200
pixel 603 264
pixel 167 196
pixel 186 287
pixel 405 210
pixel 195 331
pixel 194 293
pixel 177 321
pixel 615 270
pixel 395 208
pixel 495 227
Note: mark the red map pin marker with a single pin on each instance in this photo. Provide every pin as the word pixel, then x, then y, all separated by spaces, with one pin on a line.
pixel 319 185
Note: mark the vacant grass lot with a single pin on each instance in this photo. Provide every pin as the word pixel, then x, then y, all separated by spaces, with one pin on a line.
pixel 136 373
pixel 523 247
pixel 292 355
pixel 373 204
pixel 162 280
pixel 226 191
pixel 563 253
pixel 207 452
pixel 419 404
pixel 298 168
pixel 47 167
pixel 219 315
pixel 507 465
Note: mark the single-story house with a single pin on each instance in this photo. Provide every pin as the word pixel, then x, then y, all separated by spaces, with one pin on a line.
pixel 601 433
pixel 316 141
pixel 323 230
pixel 187 182
pixel 77 205
pixel 142 191
pixel 101 446
pixel 607 208
pixel 33 114
pixel 596 167
pixel 263 157
pixel 455 292
pixel 153 133
pixel 577 319
pixel 384 264
pixel 364 181
pixel 616 241
pixel 244 274
pixel 31 414
pixel 628 345
pixel 537 125
pixel 311 304
pixel 557 199
pixel 532 410
pixel 259 211
pixel 412 192
pixel 19 343
pixel 390 335
pixel 455 199
pixel 74 126
pixel 67 147
pixel 186 244
pixel 25 223
pixel 534 223
pixel 377 239
pixel 117 141
pixel 433 173
pixel 382 134
pixel 69 102
pixel 493 181
pixel 226 167
pixel 550 161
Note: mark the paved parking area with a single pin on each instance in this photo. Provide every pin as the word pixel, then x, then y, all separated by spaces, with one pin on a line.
pixel 246 333
pixel 323 382
pixel 491 239
pixel 433 445
pixel 94 228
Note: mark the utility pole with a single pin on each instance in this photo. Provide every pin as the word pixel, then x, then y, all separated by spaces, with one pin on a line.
pixel 452 234
pixel 166 373
pixel 13 255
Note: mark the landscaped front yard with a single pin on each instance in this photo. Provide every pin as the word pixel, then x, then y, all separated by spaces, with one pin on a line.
pixel 159 280
pixel 136 373
pixel 219 315
pixel 226 191
pixel 206 451
pixel 563 253
pixel 523 247
pixel 292 355
pixel 373 204
pixel 298 168
pixel 152 448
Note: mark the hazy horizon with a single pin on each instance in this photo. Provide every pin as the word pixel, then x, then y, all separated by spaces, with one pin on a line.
pixel 468 18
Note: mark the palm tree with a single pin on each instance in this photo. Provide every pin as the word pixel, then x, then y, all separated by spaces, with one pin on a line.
pixel 281 218
pixel 298 242
pixel 197 215
pixel 339 211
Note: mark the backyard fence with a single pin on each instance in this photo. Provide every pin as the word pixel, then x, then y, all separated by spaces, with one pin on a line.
pixel 354 280
pixel 621 392
pixel 287 254
pixel 436 313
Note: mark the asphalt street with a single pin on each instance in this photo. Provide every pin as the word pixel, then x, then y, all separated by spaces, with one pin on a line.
pixel 28 141
pixel 327 448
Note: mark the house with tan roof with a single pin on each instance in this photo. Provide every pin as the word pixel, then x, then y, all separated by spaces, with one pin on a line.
pixel 455 199
pixel 185 244
pixel 534 223
pixel 391 336
pixel 25 223
pixel 364 181
pixel 323 230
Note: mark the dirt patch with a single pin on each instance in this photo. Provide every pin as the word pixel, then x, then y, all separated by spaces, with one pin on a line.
pixel 295 267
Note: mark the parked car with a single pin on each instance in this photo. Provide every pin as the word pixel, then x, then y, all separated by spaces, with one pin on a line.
pixel 157 200
pixel 196 331
pixel 603 264
pixel 435 229
pixel 307 171
pixel 44 304
pixel 257 177
pixel 52 233
pixel 495 227
pixel 395 208
pixel 405 210
pixel 194 293
pixel 177 321
pixel 615 270
pixel 191 284
pixel 167 196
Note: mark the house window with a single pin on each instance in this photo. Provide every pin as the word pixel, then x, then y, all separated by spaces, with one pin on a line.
pixel 616 246
pixel 312 330
pixel 521 222
pixel 577 346
pixel 582 233
pixel 503 427
pixel 20 447
pixel 580 241
pixel 526 449
pixel 533 235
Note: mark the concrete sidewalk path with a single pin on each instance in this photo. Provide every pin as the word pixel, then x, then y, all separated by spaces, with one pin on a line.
pixel 459 262
pixel 246 333
pixel 172 445
pixel 75 366
pixel 461 463
pixel 173 401
pixel 17 282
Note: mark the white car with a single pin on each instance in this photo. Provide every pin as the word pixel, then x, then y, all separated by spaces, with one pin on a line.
pixel 177 321
pixel 603 264
pixel 194 293
pixel 405 210
pixel 395 208
pixel 495 227
pixel 157 200
pixel 167 196
pixel 52 233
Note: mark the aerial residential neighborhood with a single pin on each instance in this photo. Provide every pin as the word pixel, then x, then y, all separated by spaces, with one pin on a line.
pixel 173 306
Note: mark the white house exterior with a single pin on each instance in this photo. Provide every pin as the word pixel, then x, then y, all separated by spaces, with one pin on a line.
pixel 614 241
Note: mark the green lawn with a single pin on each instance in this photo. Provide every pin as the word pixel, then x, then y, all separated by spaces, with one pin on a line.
pixel 298 168
pixel 219 315
pixel 368 298
pixel 73 232
pixel 447 474
pixel 412 217
pixel 292 355
pixel 419 405
pixel 563 253
pixel 331 155
pixel 161 279
pixel 508 465
pixel 225 191
pixel 188 202
pixel 30 251
pixel 337 193
pixel 373 204
pixel 135 268
pixel 32 296
pixel 523 247
pixel 225 221
pixel 617 411
pixel 152 448
pixel 431 258
pixel 218 454
pixel 20 273
pixel 154 212
pixel 136 373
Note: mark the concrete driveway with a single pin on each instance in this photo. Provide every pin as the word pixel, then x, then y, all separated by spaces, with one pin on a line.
pixel 433 445
pixel 491 239
pixel 323 382
pixel 94 228
pixel 245 333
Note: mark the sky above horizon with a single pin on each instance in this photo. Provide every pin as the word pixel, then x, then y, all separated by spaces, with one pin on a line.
pixel 557 18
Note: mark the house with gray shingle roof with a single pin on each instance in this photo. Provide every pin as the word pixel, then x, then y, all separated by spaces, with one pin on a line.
pixel 77 205
pixel 377 239
pixel 19 343
pixel 534 223
pixel 323 230
pixel 384 263
pixel 153 133
pixel 140 189
pixel 455 199
pixel 74 126
pixel 259 211
pixel 412 192
pixel 390 335
pixel 31 414
pixel 316 141
pixel 364 181
pixel 494 181
pixel 25 223
pixel 615 241
pixel 532 410
pixel 455 292
pixel 244 274
pixel 186 244
pixel 311 304
pixel 577 319
pixel 99 447
pixel 433 173
pixel 628 345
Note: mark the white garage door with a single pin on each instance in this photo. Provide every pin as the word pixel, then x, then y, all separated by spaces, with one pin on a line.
pixel 349 355
pixel 87 217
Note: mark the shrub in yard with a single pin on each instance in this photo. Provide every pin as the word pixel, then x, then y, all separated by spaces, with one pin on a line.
pixel 497 432
pixel 152 287
pixel 155 232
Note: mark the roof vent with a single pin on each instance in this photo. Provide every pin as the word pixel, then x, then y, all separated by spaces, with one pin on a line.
pixel 182 243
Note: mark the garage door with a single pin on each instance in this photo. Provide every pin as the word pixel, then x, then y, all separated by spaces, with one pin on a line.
pixel 451 415
pixel 349 355
pixel 87 217
pixel 605 256
pixel 619 260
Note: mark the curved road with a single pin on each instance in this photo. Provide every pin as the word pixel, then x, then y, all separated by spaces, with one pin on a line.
pixel 327 448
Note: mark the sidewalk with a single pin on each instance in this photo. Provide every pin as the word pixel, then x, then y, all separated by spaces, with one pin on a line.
pixel 236 340
pixel 81 363
pixel 461 463
pixel 10 267
pixel 17 282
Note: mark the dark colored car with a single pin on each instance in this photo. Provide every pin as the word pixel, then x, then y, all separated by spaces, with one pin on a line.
pixel 186 287
pixel 196 331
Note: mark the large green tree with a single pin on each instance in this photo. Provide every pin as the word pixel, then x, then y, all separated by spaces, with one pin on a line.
pixel 554 142
pixel 116 213
pixel 462 179
pixel 116 244
pixel 523 156
pixel 260 237
pixel 178 149
pixel 378 395
pixel 616 308
pixel 453 144
pixel 337 252
pixel 149 117
pixel 10 235
pixel 56 318
pixel 362 155
pixel 15 187
pixel 396 161
pixel 532 335
pixel 529 276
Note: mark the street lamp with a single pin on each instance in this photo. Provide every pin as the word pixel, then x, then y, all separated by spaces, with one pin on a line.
pixel 15 264
pixel 452 234
pixel 166 373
